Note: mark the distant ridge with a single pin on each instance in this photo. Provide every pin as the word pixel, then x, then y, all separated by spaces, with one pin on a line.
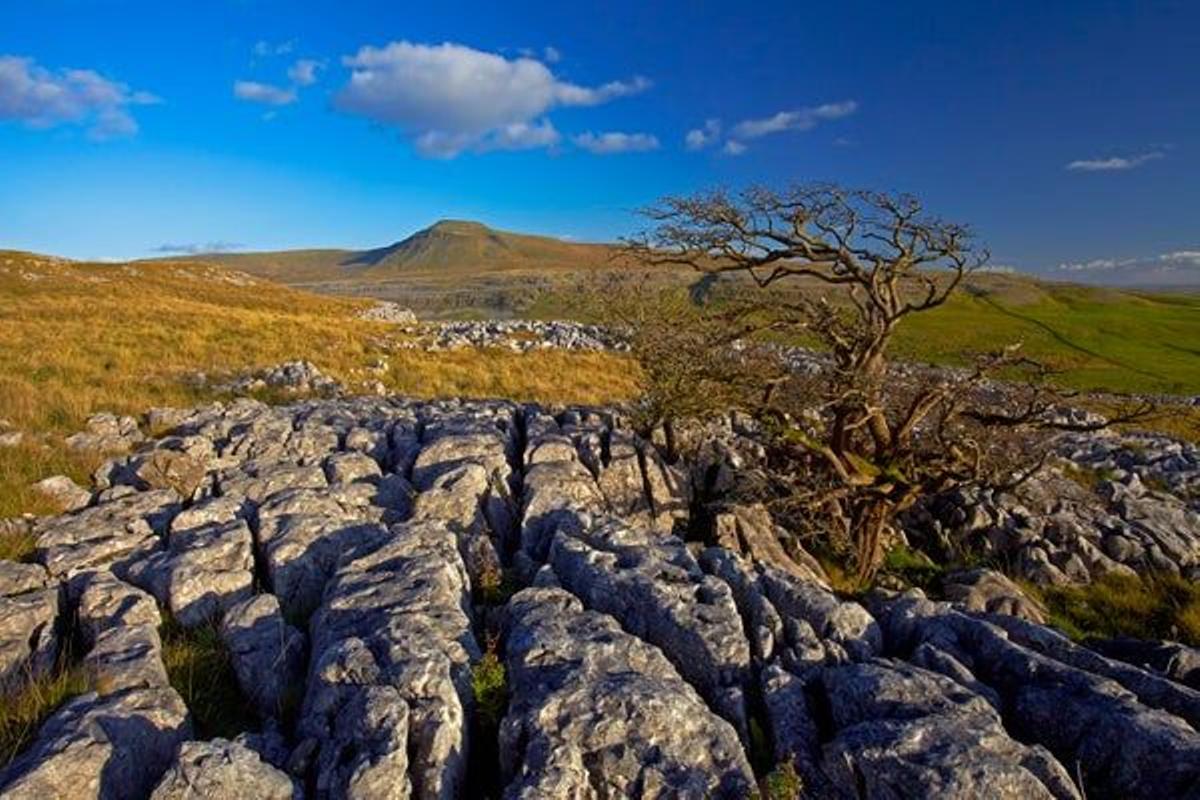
pixel 448 246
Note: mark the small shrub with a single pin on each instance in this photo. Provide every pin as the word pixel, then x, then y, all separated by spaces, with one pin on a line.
pixel 490 685
pixel 782 783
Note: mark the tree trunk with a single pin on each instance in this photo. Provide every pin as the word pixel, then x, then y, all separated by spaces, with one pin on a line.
pixel 870 524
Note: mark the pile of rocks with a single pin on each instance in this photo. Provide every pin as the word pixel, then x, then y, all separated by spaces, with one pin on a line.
pixel 348 548
pixel 386 311
pixel 1114 504
pixel 297 377
pixel 516 335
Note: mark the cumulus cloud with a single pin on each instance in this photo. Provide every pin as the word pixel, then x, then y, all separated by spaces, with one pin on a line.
pixel 699 138
pixel 616 142
pixel 551 55
pixel 1115 163
pixel 196 248
pixel 450 98
pixel 265 93
pixel 42 98
pixel 304 71
pixel 803 119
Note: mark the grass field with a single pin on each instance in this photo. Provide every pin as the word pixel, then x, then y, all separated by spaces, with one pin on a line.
pixel 79 338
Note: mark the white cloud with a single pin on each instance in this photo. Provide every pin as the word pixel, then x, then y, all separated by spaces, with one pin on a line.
pixel 616 142
pixel 699 138
pixel 41 98
pixel 802 119
pixel 263 48
pixel 551 55
pixel 256 92
pixel 194 248
pixel 1115 163
pixel 733 148
pixel 1189 259
pixel 1164 262
pixel 452 98
pixel 304 71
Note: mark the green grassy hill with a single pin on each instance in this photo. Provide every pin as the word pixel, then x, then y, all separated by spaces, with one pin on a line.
pixel 1115 339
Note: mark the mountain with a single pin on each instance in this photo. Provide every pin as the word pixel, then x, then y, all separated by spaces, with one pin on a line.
pixel 450 247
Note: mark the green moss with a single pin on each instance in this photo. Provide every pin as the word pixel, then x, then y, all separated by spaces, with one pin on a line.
pixel 912 567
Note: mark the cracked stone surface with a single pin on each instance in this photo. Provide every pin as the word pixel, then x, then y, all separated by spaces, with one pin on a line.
pixel 344 548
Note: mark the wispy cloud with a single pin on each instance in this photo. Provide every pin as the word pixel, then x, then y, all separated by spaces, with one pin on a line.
pixel 800 119
pixel 197 248
pixel 733 148
pixel 450 98
pixel 803 119
pixel 266 93
pixel 264 49
pixel 1115 163
pixel 1176 260
pixel 616 142
pixel 43 98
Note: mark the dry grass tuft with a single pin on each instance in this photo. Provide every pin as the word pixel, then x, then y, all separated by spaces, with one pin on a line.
pixel 23 710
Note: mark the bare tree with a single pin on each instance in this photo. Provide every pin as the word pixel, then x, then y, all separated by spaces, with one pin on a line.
pixel 873 437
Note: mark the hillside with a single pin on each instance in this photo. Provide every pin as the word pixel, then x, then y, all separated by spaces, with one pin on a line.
pixel 456 247
pixel 77 338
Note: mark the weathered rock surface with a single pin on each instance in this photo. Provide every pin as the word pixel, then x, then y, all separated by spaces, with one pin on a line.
pixel 107 747
pixel 596 712
pixel 653 586
pixel 111 533
pixel 637 664
pixel 267 653
pixel 222 769
pixel 64 492
pixel 29 637
pixel 990 591
pixel 1132 504
pixel 389 693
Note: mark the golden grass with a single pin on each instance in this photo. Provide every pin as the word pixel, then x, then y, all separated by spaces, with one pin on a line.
pixel 79 338
pixel 542 376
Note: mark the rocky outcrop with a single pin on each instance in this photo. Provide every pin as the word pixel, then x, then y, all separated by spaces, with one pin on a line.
pixel 357 553
pixel 389 694
pixel 29 623
pixel 267 653
pixel 598 712
pixel 221 768
pixel 1119 504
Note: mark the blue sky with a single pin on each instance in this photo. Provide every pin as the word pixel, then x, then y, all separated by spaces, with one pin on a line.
pixel 1064 132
